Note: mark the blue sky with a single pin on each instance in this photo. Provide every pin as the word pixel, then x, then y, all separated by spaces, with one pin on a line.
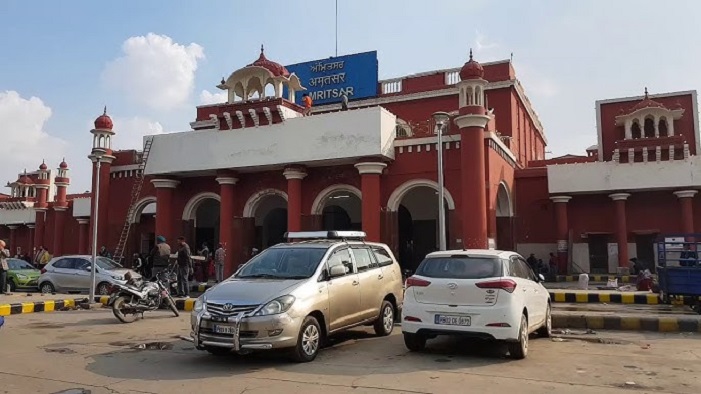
pixel 70 56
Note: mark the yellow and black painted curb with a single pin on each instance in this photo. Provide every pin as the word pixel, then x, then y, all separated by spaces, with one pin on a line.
pixel 628 323
pixel 183 305
pixel 37 306
pixel 201 288
pixel 597 278
pixel 615 298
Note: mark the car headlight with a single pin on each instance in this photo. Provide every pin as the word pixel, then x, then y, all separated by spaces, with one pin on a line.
pixel 277 306
pixel 22 277
pixel 199 304
pixel 118 277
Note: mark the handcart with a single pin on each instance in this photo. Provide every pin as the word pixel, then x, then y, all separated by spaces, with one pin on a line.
pixel 679 269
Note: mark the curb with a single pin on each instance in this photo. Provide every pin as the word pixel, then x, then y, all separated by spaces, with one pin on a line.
pixel 185 305
pixel 38 306
pixel 615 298
pixel 632 323
pixel 597 278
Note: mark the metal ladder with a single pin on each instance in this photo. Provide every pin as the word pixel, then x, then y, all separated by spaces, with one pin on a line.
pixel 135 193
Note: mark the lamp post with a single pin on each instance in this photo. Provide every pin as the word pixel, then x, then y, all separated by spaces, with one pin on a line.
pixel 93 270
pixel 441 120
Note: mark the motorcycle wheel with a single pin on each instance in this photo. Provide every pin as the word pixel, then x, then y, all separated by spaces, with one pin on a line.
pixel 119 311
pixel 171 305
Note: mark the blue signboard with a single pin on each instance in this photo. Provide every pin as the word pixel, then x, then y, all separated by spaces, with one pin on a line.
pixel 325 80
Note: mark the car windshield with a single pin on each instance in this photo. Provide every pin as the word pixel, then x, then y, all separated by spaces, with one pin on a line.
pixel 107 264
pixel 460 267
pixel 17 264
pixel 283 263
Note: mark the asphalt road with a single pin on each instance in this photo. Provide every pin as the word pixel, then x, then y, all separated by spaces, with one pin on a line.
pixel 90 350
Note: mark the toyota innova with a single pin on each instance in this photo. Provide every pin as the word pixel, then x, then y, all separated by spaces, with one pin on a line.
pixel 294 295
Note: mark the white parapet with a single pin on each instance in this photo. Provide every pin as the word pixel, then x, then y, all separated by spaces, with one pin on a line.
pixel 312 140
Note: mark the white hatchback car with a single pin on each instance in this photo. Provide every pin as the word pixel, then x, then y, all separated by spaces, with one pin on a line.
pixel 486 294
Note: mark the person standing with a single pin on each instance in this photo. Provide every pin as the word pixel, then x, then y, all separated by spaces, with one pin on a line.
pixel 219 258
pixel 160 256
pixel 184 260
pixel 41 257
pixel 4 267
pixel 344 101
pixel 204 267
pixel 137 264
pixel 307 100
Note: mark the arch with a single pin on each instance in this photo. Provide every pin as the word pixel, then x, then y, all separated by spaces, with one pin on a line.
pixel 649 127
pixel 635 130
pixel 320 200
pixel 662 127
pixel 504 203
pixel 139 207
pixel 396 197
pixel 249 210
pixel 190 210
pixel 269 89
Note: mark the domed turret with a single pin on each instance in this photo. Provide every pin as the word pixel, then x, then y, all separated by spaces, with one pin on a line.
pixel 275 68
pixel 471 70
pixel 63 164
pixel 43 166
pixel 104 122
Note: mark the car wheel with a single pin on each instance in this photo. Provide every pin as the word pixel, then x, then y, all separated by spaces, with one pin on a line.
pixel 414 342
pixel 47 288
pixel 519 350
pixel 547 329
pixel 103 289
pixel 218 351
pixel 308 341
pixel 385 322
pixel 13 286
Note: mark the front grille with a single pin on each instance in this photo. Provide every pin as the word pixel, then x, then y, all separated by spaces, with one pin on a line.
pixel 229 310
pixel 242 334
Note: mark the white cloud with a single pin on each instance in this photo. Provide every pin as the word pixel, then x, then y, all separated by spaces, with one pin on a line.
pixel 481 42
pixel 154 71
pixel 130 132
pixel 207 97
pixel 24 142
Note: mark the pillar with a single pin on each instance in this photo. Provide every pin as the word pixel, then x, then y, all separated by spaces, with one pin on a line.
pixel 30 241
pixel 104 198
pixel 226 222
pixel 563 230
pixel 686 200
pixel 12 247
pixel 371 199
pixel 164 210
pixel 83 235
pixel 619 200
pixel 294 178
pixel 59 230
pixel 40 228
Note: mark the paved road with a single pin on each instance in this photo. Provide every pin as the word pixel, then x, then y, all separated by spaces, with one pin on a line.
pixel 53 352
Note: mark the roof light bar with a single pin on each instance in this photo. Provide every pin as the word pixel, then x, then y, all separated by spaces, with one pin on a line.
pixel 359 235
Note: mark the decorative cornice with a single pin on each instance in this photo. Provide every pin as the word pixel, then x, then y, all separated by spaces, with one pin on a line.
pixel 13 226
pixel 619 196
pixel 226 180
pixel 375 168
pixel 163 183
pixel 31 226
pixel 83 220
pixel 686 193
pixel 294 173
pixel 560 199
pixel 464 121
pixel 103 158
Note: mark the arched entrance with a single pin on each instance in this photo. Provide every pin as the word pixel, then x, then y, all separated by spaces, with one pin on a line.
pixel 142 235
pixel 269 210
pixel 416 204
pixel 202 216
pixel 504 219
pixel 340 208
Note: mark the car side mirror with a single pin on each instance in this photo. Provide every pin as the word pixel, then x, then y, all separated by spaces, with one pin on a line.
pixel 336 271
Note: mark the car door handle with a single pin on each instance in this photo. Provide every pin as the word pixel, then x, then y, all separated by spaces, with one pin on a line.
pixel 356 283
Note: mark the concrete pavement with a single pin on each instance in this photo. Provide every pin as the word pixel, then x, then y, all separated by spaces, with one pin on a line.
pixel 89 349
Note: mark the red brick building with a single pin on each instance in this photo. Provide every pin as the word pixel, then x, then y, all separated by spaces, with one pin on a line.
pixel 254 167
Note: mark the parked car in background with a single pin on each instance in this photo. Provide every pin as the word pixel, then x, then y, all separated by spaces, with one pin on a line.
pixel 73 274
pixel 486 294
pixel 293 296
pixel 22 275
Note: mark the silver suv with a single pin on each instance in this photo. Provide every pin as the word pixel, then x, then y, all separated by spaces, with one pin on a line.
pixel 294 295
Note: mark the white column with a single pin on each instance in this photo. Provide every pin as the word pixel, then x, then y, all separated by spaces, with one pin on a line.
pixel 656 119
pixel 628 125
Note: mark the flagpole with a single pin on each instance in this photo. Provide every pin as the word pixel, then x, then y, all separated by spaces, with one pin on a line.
pixel 336 28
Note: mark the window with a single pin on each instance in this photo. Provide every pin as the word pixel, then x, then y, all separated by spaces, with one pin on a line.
pixel 383 257
pixel 284 263
pixel 460 267
pixel 341 257
pixel 518 270
pixel 363 259
pixel 526 269
pixel 64 264
pixel 16 264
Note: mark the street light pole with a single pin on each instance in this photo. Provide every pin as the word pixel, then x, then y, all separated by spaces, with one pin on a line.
pixel 441 120
pixel 93 270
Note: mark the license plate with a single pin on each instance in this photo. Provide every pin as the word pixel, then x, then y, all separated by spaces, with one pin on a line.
pixel 446 320
pixel 224 330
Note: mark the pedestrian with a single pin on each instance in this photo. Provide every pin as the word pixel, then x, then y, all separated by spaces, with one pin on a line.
pixel 137 264
pixel 307 100
pixel 41 258
pixel 204 266
pixel 185 268
pixel 344 101
pixel 532 262
pixel 219 257
pixel 4 267
pixel 105 253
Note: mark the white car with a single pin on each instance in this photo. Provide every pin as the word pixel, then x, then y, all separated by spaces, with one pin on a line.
pixel 486 294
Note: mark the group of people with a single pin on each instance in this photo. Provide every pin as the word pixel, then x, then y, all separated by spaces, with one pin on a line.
pixel 539 267
pixel 308 102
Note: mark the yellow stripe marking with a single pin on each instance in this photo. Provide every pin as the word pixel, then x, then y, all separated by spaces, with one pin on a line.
pixel 69 303
pixel 630 323
pixel 653 299
pixel 49 306
pixel 559 297
pixel 581 297
pixel 668 324
pixel 627 298
pixel 595 322
pixel 27 307
pixel 189 304
pixel 104 300
pixel 604 297
pixel 5 310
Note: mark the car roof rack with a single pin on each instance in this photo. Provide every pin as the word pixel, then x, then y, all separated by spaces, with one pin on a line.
pixel 337 235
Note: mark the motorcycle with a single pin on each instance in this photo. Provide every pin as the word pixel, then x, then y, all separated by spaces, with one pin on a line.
pixel 136 297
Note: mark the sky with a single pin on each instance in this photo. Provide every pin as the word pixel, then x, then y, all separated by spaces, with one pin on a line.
pixel 152 62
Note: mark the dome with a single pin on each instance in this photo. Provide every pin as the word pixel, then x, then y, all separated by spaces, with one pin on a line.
pixel 103 122
pixel 43 166
pixel 646 102
pixel 471 70
pixel 63 165
pixel 25 180
pixel 276 69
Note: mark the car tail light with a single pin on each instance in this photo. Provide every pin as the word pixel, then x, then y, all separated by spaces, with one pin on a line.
pixel 412 318
pixel 416 282
pixel 503 284
pixel 43 270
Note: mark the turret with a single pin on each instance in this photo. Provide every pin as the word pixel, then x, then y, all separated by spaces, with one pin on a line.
pixel 62 181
